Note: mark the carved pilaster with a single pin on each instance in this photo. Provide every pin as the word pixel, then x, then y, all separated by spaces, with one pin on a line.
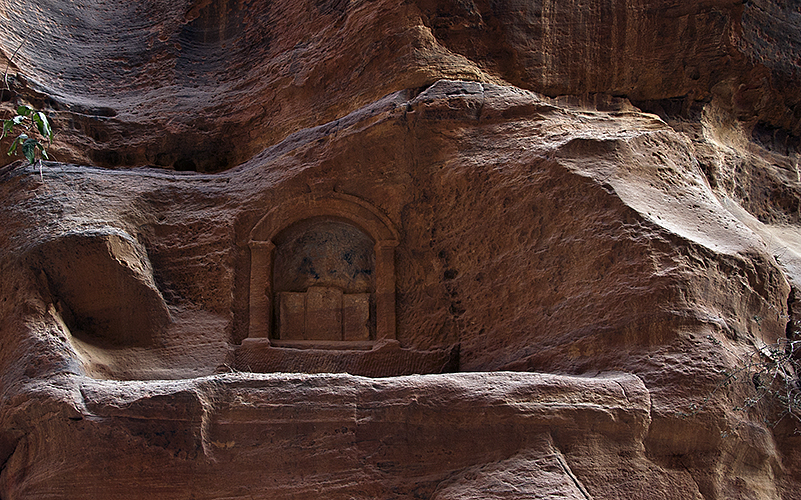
pixel 385 289
pixel 261 261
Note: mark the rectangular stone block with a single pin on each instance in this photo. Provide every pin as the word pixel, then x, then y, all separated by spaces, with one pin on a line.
pixel 291 316
pixel 356 316
pixel 323 313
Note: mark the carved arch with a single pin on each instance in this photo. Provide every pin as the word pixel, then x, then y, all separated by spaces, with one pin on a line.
pixel 335 205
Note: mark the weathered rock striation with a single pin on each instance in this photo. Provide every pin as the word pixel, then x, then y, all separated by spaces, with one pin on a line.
pixel 205 85
pixel 531 239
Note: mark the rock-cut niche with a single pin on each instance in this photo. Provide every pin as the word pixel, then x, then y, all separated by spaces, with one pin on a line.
pixel 322 273
pixel 323 282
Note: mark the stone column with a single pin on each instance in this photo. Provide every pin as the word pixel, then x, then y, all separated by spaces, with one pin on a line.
pixel 385 289
pixel 261 293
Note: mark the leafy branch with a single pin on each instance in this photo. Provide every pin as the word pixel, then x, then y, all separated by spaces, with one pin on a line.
pixel 31 121
pixel 775 375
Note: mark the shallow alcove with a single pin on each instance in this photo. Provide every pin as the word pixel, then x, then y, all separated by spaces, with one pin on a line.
pixel 101 281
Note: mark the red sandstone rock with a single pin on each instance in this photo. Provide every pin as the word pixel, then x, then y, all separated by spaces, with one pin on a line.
pixel 339 436
pixel 200 85
pixel 537 236
pixel 598 268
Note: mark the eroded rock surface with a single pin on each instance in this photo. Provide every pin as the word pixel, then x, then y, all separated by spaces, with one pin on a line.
pixel 586 212
pixel 203 85
pixel 340 436
pixel 535 236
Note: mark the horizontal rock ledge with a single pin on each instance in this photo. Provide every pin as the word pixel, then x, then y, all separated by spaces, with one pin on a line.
pixel 274 432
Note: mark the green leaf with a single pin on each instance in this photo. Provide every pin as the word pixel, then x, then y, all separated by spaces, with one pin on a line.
pixel 8 126
pixel 24 110
pixel 29 149
pixel 19 140
pixel 43 125
pixel 44 153
pixel 18 120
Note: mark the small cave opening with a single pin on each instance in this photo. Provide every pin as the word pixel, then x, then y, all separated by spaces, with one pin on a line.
pixel 184 165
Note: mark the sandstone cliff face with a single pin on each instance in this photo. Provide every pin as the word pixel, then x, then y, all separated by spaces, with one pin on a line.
pixel 596 205
pixel 204 85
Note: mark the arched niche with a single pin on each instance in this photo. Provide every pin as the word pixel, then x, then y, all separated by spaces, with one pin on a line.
pixel 322 229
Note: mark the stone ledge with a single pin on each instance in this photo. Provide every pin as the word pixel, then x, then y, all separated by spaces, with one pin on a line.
pixel 385 358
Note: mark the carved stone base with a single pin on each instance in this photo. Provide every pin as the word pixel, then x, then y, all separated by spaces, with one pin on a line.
pixel 385 359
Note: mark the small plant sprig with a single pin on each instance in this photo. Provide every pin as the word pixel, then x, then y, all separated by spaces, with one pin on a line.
pixel 31 121
pixel 774 372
